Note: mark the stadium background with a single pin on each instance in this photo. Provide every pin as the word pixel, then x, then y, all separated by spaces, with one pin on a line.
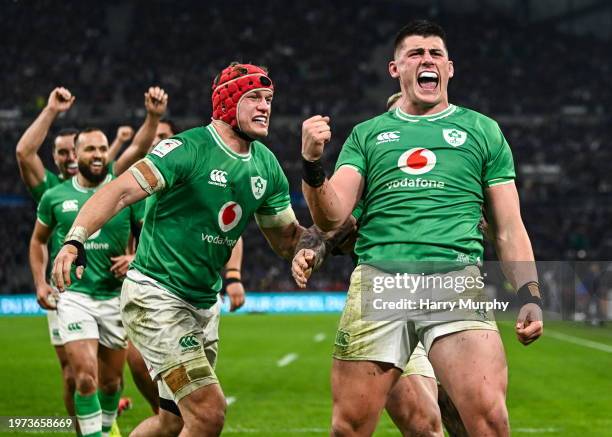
pixel 541 68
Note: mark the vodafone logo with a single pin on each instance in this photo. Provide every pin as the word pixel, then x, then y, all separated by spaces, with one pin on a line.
pixel 417 161
pixel 229 216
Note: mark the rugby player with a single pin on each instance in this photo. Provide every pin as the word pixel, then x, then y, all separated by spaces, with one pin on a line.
pixel 416 402
pixel 234 289
pixel 198 209
pixel 39 179
pixel 424 171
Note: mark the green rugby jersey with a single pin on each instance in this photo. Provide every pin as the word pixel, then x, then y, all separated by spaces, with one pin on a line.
pixel 210 194
pixel 58 209
pixel 50 180
pixel 425 178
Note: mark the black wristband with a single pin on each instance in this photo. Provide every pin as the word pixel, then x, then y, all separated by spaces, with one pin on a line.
pixel 313 172
pixel 228 281
pixel 81 259
pixel 529 293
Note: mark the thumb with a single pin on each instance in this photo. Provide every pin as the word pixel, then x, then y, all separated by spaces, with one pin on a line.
pixel 79 272
pixel 326 119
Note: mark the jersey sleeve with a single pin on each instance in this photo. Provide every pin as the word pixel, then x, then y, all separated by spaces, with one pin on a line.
pixel 44 212
pixel 358 211
pixel 38 191
pixel 352 154
pixel 499 167
pixel 276 210
pixel 173 159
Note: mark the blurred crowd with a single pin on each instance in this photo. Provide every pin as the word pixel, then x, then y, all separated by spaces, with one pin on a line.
pixel 545 89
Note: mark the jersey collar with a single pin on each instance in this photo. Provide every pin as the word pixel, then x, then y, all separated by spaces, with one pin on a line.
pixel 82 189
pixel 219 142
pixel 429 117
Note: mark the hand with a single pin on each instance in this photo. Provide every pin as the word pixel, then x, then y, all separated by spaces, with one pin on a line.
pixel 529 325
pixel 156 101
pixel 62 264
pixel 301 266
pixel 125 133
pixel 121 264
pixel 43 292
pixel 60 100
pixel 315 133
pixel 235 291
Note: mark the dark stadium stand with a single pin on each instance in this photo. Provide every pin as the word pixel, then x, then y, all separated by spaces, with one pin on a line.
pixel 546 88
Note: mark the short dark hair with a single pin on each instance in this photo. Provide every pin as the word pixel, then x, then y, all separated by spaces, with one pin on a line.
pixel 85 131
pixel 422 28
pixel 67 131
pixel 173 127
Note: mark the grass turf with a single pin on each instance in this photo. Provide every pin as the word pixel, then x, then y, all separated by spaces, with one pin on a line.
pixel 555 387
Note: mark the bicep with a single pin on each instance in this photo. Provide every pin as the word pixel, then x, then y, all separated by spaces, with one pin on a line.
pixel 41 233
pixel 503 207
pixel 348 184
pixel 32 170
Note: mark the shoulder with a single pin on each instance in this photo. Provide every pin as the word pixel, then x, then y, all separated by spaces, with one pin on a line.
pixel 478 120
pixel 374 123
pixel 57 192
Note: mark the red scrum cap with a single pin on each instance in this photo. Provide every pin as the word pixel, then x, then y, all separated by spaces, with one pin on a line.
pixel 231 85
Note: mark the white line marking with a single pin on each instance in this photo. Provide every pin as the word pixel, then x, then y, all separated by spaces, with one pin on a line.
pixel 320 337
pixel 536 430
pixel 287 359
pixel 230 400
pixel 579 341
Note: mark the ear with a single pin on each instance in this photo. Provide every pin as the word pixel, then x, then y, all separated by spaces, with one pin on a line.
pixel 393 69
pixel 451 69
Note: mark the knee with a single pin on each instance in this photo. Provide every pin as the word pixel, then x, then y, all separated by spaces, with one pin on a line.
pixel 110 385
pixel 418 421
pixel 492 415
pixel 346 423
pixel 85 382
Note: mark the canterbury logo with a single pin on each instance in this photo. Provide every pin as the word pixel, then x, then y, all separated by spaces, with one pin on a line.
pixel 189 341
pixel 218 177
pixel 75 326
pixel 387 137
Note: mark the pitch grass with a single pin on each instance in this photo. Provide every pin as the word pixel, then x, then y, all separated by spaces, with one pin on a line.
pixel 555 387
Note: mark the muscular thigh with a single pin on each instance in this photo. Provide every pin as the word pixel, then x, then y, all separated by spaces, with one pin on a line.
pixel 470 364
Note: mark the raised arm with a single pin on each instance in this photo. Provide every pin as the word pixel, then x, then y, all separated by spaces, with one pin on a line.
pixel 31 167
pixel 516 255
pixel 99 209
pixel 156 102
pixel 39 257
pixel 330 200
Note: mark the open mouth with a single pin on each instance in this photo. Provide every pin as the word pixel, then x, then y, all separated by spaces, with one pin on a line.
pixel 260 120
pixel 428 80
pixel 72 167
pixel 97 165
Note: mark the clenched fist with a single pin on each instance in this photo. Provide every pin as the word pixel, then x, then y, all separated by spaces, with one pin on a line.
pixel 315 133
pixel 125 133
pixel 60 100
pixel 156 101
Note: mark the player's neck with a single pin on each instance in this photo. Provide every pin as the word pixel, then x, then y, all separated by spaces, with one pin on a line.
pixel 86 183
pixel 231 138
pixel 415 108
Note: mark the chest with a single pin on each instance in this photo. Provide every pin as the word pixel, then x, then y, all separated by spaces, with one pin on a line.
pixel 444 152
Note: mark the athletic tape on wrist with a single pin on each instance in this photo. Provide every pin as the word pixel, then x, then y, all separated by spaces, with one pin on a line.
pixel 313 172
pixel 77 233
pixel 530 293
